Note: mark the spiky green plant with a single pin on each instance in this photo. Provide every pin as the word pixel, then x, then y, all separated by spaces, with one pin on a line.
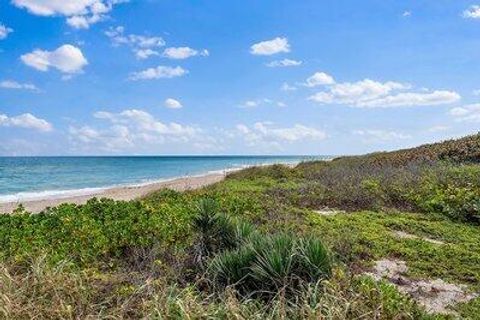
pixel 266 265
pixel 274 263
pixel 313 258
pixel 205 222
pixel 233 267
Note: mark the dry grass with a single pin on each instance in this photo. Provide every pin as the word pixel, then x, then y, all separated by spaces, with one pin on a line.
pixel 42 292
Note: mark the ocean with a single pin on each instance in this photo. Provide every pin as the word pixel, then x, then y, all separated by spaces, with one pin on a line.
pixel 30 178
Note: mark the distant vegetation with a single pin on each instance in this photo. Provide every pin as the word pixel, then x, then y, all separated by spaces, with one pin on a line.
pixel 267 243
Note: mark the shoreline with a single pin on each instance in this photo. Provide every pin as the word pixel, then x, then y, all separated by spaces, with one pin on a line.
pixel 125 192
pixel 119 193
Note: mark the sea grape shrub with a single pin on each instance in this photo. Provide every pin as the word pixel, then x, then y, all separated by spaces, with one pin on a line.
pixel 99 230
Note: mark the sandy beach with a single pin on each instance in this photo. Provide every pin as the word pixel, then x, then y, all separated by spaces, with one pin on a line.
pixel 118 193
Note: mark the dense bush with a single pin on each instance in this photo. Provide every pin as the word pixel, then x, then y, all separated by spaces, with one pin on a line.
pixel 355 184
pixel 100 229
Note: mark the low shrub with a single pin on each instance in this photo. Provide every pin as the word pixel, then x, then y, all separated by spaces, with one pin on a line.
pixel 100 230
pixel 266 265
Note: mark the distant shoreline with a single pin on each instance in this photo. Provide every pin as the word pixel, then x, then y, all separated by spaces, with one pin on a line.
pixel 126 192
pixel 118 193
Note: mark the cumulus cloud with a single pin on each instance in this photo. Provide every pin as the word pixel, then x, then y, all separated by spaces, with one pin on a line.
pixel 173 103
pixel 158 72
pixel 130 129
pixel 67 59
pixel 11 84
pixel 145 53
pixel 284 63
pixel 373 135
pixel 142 45
pixel 468 113
pixel 269 47
pixel 180 53
pixel 80 13
pixel 27 121
pixel 472 13
pixel 143 120
pixel 4 31
pixel 319 79
pixel 407 14
pixel 374 94
pixel 267 133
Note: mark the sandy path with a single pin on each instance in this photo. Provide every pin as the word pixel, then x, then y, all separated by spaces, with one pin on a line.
pixel 119 193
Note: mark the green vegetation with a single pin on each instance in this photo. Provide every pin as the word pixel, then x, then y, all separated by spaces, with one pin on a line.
pixel 263 244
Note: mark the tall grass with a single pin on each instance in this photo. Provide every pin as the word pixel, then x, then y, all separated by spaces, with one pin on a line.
pixel 52 292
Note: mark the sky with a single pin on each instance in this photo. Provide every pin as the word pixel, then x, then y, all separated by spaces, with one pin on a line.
pixel 161 77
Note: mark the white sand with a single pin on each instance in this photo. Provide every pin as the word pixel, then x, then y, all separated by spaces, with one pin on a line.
pixel 118 193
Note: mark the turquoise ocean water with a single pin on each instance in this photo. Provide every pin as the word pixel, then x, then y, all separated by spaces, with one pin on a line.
pixel 29 178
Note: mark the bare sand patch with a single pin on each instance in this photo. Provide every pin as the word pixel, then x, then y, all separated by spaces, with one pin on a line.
pixel 326 211
pixel 405 235
pixel 435 295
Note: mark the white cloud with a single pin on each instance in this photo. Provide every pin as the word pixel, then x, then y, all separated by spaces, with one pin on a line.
pixel 83 22
pixel 410 99
pixel 284 63
pixel 267 133
pixel 80 13
pixel 143 120
pixel 373 135
pixel 145 53
pixel 133 129
pixel 180 53
pixel 143 46
pixel 67 59
pixel 319 79
pixel 158 72
pixel 270 47
pixel 258 102
pixel 468 113
pixel 118 37
pixel 4 31
pixel 407 13
pixel 173 103
pixel 373 94
pixel 26 120
pixel 286 87
pixel 11 84
pixel 472 13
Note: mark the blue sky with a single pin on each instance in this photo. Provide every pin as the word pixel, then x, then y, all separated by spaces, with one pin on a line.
pixel 235 77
